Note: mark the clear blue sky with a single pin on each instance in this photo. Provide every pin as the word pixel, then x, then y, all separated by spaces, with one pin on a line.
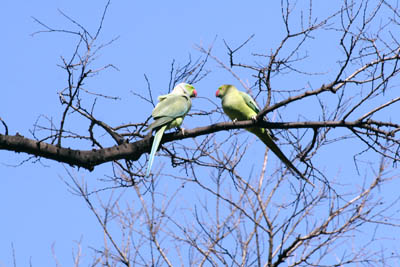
pixel 36 208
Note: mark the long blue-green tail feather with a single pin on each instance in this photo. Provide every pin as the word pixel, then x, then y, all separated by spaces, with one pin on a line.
pixel 154 147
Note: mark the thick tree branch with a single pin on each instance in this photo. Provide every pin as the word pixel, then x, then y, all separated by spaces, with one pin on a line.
pixel 88 159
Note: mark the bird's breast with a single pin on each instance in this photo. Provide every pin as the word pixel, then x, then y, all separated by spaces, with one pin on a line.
pixel 234 109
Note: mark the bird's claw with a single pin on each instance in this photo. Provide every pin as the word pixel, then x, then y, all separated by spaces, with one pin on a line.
pixel 182 130
pixel 254 118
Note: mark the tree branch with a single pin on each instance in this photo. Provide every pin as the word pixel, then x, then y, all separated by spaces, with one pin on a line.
pixel 88 159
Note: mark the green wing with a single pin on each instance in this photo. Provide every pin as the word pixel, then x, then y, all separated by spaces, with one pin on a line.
pixel 250 102
pixel 171 107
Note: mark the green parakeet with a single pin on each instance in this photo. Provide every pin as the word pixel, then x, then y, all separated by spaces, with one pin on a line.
pixel 240 106
pixel 169 113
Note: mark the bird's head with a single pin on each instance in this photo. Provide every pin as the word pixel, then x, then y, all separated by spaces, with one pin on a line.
pixel 223 89
pixel 185 88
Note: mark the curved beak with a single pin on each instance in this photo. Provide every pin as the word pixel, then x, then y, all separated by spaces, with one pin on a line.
pixel 217 93
pixel 194 93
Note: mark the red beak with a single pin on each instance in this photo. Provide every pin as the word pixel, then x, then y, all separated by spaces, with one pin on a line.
pixel 217 93
pixel 195 93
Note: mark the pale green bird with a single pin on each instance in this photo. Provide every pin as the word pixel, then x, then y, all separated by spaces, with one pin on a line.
pixel 240 106
pixel 169 113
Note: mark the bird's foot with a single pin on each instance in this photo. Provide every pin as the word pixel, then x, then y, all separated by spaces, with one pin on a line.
pixel 234 121
pixel 182 130
pixel 254 118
